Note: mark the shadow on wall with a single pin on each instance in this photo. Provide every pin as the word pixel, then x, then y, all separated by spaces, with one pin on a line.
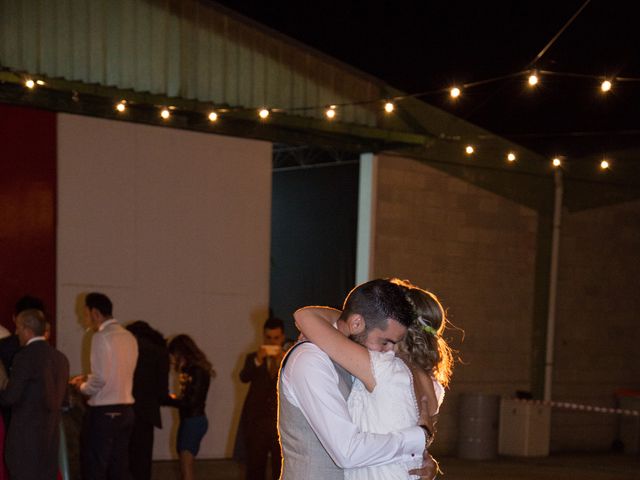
pixel 85 349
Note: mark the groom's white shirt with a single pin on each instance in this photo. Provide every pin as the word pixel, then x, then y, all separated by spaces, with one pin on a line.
pixel 310 383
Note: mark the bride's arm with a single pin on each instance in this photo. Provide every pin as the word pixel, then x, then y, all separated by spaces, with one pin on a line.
pixel 425 394
pixel 316 324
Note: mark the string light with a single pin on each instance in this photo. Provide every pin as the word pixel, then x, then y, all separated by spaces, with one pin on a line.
pixel 330 112
pixel 606 84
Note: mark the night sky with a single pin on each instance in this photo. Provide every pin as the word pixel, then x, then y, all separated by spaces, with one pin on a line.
pixel 425 45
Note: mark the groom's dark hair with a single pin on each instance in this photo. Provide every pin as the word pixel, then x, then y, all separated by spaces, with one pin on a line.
pixel 378 300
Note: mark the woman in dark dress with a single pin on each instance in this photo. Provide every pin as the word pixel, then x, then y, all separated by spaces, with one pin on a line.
pixel 194 371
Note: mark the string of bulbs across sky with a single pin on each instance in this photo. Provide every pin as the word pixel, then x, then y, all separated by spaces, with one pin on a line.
pixel 533 77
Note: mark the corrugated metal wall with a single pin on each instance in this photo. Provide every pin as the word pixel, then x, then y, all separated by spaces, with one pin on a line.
pixel 190 49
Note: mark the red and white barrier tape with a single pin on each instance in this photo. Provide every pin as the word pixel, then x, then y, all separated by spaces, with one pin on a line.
pixel 581 408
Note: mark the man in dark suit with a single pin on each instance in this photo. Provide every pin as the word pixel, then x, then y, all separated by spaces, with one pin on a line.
pixel 150 389
pixel 258 422
pixel 10 344
pixel 35 393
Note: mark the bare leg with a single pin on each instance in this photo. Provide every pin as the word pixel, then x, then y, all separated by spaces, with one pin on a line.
pixel 186 465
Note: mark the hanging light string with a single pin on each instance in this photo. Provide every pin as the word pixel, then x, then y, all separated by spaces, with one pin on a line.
pixel 447 90
pixel 557 35
pixel 388 105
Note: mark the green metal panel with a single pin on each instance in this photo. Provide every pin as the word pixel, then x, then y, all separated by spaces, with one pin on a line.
pixel 195 54
pixel 188 49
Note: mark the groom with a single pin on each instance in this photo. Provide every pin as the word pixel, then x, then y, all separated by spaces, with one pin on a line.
pixel 316 433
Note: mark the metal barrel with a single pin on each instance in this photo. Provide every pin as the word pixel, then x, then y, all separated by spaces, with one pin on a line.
pixel 478 416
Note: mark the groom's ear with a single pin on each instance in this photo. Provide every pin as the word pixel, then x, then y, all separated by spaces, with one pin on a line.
pixel 356 324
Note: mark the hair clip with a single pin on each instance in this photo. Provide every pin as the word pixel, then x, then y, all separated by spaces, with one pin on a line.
pixel 430 329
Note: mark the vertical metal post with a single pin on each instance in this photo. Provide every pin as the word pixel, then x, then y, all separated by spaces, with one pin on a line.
pixel 366 216
pixel 553 284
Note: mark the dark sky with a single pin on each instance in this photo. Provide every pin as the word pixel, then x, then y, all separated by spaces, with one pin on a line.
pixel 424 45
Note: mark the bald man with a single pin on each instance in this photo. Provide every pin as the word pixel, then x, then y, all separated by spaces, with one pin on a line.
pixel 35 393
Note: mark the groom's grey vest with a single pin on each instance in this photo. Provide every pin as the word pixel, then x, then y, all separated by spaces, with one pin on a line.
pixel 303 456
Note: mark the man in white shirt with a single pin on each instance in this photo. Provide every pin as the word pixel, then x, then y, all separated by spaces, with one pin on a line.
pixel 109 419
pixel 317 435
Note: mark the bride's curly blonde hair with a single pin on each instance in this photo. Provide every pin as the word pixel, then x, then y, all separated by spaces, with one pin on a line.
pixel 424 344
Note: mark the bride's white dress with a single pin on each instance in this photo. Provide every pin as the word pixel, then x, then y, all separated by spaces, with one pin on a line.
pixel 390 407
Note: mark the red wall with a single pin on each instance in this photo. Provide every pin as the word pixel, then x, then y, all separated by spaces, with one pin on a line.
pixel 27 209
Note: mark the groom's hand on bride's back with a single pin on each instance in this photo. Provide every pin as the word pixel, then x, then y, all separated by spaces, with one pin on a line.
pixel 429 468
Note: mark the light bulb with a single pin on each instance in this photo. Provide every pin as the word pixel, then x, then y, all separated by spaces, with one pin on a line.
pixel 30 84
pixel 556 162
pixel 165 113
pixel 454 92
pixel 511 157
pixel 121 106
pixel 605 86
pixel 263 113
pixel 469 149
pixel 330 113
pixel 604 164
pixel 389 107
pixel 533 79
pixel 213 116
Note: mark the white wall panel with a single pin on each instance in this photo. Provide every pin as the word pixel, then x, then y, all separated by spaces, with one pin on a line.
pixel 174 226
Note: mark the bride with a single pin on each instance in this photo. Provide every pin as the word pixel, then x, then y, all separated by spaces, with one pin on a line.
pixel 388 382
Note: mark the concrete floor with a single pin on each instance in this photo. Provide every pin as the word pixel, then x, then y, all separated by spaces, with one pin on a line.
pixel 555 467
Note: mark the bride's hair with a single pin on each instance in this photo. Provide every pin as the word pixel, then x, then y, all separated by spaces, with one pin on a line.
pixel 424 344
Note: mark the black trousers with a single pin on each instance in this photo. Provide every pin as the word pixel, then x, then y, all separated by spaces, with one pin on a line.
pixel 104 447
pixel 260 443
pixel 141 450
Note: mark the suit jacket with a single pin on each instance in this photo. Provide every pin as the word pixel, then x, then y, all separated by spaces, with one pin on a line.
pixel 35 393
pixel 9 346
pixel 260 408
pixel 150 381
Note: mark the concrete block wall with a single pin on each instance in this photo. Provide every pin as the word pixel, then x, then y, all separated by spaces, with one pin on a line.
pixel 597 341
pixel 476 251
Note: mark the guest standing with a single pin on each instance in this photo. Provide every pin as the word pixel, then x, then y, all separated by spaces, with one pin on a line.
pixel 150 389
pixel 108 422
pixel 9 346
pixel 258 428
pixel 35 393
pixel 195 372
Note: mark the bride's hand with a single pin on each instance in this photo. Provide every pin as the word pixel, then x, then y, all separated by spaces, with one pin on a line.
pixel 425 419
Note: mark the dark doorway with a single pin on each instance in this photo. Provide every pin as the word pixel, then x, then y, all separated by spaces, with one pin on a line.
pixel 313 231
